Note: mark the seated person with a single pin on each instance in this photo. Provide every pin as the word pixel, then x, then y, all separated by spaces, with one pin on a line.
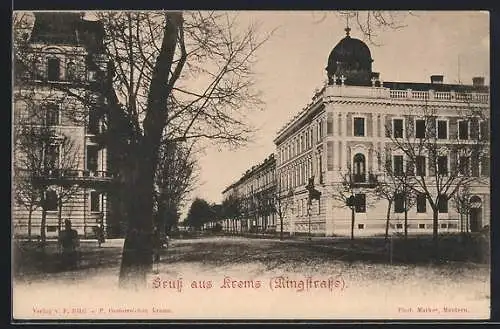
pixel 68 239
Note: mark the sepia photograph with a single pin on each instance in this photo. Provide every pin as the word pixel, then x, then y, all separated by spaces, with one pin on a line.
pixel 250 165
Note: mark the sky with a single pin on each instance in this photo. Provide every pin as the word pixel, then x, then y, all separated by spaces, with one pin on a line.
pixel 291 65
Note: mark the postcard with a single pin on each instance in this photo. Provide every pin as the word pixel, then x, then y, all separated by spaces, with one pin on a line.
pixel 251 165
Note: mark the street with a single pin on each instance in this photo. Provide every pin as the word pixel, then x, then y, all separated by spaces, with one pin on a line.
pixel 217 259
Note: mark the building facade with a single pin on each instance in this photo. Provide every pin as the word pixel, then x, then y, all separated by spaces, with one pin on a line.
pixel 353 133
pixel 348 128
pixel 256 194
pixel 60 166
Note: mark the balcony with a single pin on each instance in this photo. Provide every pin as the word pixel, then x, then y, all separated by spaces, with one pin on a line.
pixel 407 94
pixel 73 176
pixel 363 180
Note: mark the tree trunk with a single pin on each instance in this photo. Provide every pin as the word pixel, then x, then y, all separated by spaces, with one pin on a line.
pixel 387 219
pixel 435 220
pixel 137 257
pixel 43 223
pixel 353 217
pixel 406 219
pixel 30 215
pixel 59 216
pixel 281 228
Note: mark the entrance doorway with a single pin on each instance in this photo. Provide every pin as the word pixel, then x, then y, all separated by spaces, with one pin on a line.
pixel 475 213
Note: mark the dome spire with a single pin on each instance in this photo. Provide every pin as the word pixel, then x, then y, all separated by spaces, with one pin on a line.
pixel 347 29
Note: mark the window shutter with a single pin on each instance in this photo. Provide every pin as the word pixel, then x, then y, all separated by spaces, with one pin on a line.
pixel 329 124
pixel 453 162
pixel 432 159
pixel 453 128
pixel 474 128
pixel 349 123
pixel 430 127
pixel 388 162
pixel 410 126
pixel 485 166
pixel 388 126
pixel 485 130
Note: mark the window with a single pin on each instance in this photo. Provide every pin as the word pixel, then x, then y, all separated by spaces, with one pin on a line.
pixel 421 226
pixel 420 128
pixel 359 127
pixel 484 130
pixel 399 225
pixel 51 115
pixel 361 226
pixel 329 124
pixel 397 127
pixel 92 156
pixel 91 75
pixel 421 203
pixel 399 203
pixel 475 167
pixel 464 165
pixel 53 69
pixel 398 165
pixel 51 228
pixel 360 203
pixel 485 166
pixel 463 129
pixel 443 204
pixel 70 71
pixel 51 200
pixel 359 169
pixel 443 225
pixel 420 161
pixel 95 201
pixel 52 156
pixel 443 165
pixel 442 127
pixel 320 129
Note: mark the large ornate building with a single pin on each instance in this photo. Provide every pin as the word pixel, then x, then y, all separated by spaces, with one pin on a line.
pixel 349 129
pixel 60 169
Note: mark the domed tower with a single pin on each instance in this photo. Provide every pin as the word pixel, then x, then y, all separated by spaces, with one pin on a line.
pixel 352 59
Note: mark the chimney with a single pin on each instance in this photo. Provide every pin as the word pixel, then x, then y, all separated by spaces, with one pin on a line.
pixel 437 79
pixel 478 81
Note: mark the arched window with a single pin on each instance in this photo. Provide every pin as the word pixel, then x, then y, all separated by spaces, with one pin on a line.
pixel 70 71
pixel 359 168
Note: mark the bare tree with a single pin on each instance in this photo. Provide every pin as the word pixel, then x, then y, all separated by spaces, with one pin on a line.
pixel 461 201
pixel 176 177
pixel 164 76
pixel 44 157
pixel 370 22
pixel 170 76
pixel 393 185
pixel 281 206
pixel 424 146
pixel 350 191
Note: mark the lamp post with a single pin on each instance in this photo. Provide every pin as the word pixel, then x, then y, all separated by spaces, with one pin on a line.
pixel 309 201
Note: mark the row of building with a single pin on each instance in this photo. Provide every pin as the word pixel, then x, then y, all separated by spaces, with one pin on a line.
pixel 350 126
